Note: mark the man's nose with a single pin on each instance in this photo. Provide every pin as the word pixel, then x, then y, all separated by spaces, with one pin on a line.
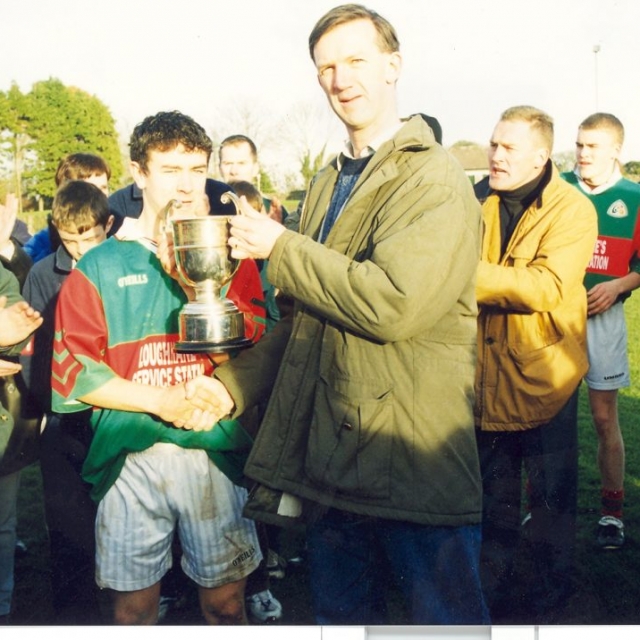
pixel 496 153
pixel 342 77
pixel 185 183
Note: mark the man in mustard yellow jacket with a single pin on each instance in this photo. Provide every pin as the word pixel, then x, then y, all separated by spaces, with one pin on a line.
pixel 539 237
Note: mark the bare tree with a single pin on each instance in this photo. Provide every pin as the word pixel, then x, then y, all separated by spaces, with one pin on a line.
pixel 291 144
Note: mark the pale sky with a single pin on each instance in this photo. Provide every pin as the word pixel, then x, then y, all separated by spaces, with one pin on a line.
pixel 465 61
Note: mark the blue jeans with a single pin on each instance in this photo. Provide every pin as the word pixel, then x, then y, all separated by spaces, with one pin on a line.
pixel 354 558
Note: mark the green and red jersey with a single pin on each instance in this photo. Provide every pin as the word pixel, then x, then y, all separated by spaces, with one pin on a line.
pixel 117 316
pixel 617 250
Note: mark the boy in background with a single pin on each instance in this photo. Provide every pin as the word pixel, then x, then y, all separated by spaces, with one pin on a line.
pixel 613 273
pixel 76 166
pixel 82 220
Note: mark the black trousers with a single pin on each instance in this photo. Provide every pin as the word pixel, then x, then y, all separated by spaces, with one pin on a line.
pixel 70 515
pixel 548 455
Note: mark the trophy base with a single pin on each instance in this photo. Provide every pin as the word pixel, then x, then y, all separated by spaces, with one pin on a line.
pixel 212 347
pixel 218 329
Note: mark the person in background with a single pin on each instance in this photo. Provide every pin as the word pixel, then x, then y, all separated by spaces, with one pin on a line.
pixel 238 161
pixel 14 262
pixel 13 238
pixel 612 274
pixel 17 322
pixel 82 220
pixel 539 236
pixel 262 605
pixel 76 166
pixel 368 434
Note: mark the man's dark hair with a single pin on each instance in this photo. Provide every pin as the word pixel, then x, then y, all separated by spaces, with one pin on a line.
pixel 79 206
pixel 164 132
pixel 387 36
pixel 238 139
pixel 80 166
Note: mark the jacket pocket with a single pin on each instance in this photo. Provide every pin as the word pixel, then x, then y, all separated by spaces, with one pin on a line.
pixel 351 441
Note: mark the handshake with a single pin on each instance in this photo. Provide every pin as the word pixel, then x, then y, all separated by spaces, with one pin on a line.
pixel 195 405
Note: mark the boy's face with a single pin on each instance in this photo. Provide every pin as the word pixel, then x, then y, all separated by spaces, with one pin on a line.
pixel 101 181
pixel 597 151
pixel 177 174
pixel 77 244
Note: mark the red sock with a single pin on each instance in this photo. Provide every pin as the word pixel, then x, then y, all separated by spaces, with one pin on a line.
pixel 611 501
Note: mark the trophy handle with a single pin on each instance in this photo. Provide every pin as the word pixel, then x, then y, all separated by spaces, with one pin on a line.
pixel 225 198
pixel 166 212
pixel 230 196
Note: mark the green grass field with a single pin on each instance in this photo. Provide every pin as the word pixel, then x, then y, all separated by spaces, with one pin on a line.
pixel 608 582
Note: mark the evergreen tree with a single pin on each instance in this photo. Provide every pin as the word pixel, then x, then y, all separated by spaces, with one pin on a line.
pixel 40 128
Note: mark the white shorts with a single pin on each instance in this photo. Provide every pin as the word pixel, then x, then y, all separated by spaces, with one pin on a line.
pixel 162 488
pixel 607 349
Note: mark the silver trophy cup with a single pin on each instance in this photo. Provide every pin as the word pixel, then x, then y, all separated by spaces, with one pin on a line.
pixel 204 262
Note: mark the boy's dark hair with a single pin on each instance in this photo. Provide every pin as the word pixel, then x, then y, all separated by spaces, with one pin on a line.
pixel 165 131
pixel 80 166
pixel 249 191
pixel 79 206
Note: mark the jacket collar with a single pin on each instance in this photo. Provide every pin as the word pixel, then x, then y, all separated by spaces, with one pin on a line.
pixel 63 260
pixel 414 133
pixel 371 148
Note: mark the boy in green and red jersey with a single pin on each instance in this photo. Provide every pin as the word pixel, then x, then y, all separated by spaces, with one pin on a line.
pixel 612 274
pixel 160 458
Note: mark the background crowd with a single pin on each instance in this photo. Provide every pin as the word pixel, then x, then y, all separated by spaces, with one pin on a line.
pixel 410 400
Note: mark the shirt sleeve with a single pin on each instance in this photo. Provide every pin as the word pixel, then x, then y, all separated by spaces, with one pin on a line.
pixel 80 341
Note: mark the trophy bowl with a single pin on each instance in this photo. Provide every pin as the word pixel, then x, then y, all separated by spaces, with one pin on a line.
pixel 203 260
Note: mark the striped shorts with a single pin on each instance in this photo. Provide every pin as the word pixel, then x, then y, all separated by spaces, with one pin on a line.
pixel 158 490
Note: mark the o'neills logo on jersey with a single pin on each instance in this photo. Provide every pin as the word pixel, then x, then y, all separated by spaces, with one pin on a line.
pixel 618 209
pixel 137 278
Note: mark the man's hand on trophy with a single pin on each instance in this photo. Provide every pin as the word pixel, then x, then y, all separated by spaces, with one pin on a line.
pixel 253 235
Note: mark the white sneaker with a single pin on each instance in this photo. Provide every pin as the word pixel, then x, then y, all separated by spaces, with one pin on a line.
pixel 263 607
pixel 610 533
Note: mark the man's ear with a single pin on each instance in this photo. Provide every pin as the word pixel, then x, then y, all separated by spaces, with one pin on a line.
pixel 394 67
pixel 109 224
pixel 138 174
pixel 542 155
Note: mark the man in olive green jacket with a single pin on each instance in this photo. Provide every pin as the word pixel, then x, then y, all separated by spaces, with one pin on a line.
pixel 371 411
pixel 539 237
pixel 17 321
